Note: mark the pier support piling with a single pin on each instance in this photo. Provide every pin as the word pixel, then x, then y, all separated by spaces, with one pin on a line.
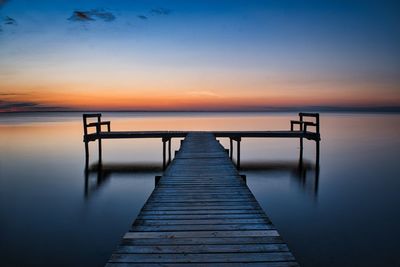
pixel 230 148
pixel 164 156
pixel 169 151
pixel 165 161
pixel 238 140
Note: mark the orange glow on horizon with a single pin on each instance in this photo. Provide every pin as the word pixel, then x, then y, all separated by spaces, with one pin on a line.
pixel 196 97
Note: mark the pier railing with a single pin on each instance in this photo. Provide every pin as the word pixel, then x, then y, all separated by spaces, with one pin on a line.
pixel 97 123
pixel 303 124
pixel 307 122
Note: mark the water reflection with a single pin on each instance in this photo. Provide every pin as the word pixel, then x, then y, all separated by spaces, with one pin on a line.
pixel 358 177
pixel 97 174
pixel 305 173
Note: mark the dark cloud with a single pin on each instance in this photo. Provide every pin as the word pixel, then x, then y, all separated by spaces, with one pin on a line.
pixel 9 21
pixel 80 16
pixel 13 106
pixel 142 17
pixel 103 14
pixel 92 15
pixel 10 94
pixel 3 2
pixel 16 105
pixel 160 11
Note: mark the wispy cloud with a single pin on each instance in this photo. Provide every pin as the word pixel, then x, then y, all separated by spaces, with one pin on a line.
pixel 160 11
pixel 9 21
pixel 203 94
pixel 142 17
pixel 11 94
pixel 16 106
pixel 12 105
pixel 92 15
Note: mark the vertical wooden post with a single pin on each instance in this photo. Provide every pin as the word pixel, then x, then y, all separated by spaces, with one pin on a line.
pixel 85 141
pixel 156 180
pixel 164 152
pixel 98 131
pixel 169 150
pixel 301 129
pixel 317 144
pixel 86 154
pixel 300 161
pixel 230 148
pixel 238 153
pixel 317 154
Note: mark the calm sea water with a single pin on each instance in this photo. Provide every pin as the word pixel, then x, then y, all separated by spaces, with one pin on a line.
pixel 345 215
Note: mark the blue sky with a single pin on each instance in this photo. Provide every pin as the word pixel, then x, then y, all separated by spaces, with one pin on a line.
pixel 262 52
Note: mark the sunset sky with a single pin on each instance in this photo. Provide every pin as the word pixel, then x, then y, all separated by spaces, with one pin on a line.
pixel 198 55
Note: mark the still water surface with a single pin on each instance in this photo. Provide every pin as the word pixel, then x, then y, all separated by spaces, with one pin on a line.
pixel 51 213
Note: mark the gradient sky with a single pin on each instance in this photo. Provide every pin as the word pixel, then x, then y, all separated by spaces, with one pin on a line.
pixel 169 55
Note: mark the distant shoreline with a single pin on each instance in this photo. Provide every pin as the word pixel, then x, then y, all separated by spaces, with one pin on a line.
pixel 386 109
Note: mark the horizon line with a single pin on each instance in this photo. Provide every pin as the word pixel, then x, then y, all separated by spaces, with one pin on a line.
pixel 355 109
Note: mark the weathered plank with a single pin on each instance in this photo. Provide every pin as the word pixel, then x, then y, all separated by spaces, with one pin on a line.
pixel 203 241
pixel 201 213
pixel 203 248
pixel 202 257
pixel 231 264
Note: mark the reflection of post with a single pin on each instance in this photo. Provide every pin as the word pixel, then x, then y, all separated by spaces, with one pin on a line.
pixel 100 174
pixel 316 166
pixel 316 182
pixel 317 154
pixel 301 154
pixel 86 172
pixel 86 155
pixel 300 167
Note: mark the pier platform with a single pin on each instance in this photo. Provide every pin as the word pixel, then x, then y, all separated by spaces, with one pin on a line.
pixel 201 213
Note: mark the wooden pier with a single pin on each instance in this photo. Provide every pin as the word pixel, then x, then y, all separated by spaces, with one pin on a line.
pixel 303 132
pixel 201 213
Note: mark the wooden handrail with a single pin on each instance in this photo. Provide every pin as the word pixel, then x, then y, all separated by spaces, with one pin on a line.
pixel 308 123
pixel 293 122
pixel 91 115
pixel 96 124
pixel 308 114
pixel 303 124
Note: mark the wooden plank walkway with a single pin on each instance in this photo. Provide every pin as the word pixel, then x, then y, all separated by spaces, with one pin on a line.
pixel 201 213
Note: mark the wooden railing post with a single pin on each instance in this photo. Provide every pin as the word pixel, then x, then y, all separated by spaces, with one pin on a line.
pixel 230 148
pixel 238 153
pixel 85 141
pixel 164 140
pixel 301 138
pixel 169 151
pixel 98 131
